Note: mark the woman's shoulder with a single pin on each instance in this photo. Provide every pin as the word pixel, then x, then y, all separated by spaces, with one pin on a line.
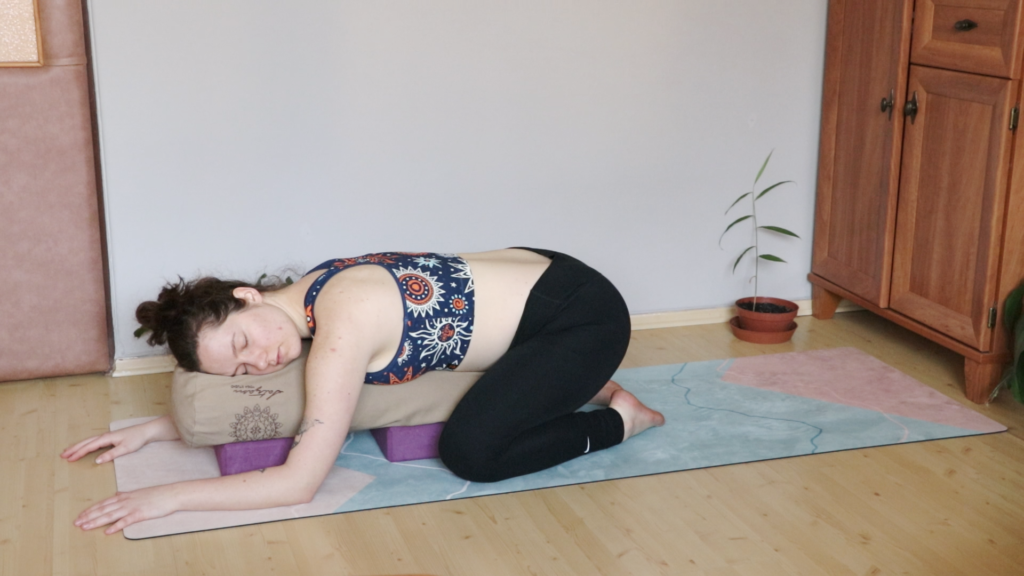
pixel 355 278
pixel 358 297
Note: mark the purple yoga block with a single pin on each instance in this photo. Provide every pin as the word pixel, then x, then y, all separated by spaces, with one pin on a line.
pixel 239 457
pixel 401 443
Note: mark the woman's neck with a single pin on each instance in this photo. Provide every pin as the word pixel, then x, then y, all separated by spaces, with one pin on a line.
pixel 291 301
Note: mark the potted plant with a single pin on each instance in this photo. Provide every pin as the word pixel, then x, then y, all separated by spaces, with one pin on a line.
pixel 1013 318
pixel 760 319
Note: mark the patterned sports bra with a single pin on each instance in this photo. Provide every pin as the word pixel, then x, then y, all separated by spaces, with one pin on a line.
pixel 438 293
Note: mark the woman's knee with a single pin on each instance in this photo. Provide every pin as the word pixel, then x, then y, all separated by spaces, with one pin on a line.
pixel 467 459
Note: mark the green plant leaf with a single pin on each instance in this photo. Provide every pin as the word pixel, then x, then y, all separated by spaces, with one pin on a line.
pixel 740 258
pixel 1017 369
pixel 772 187
pixel 1012 307
pixel 772 258
pixel 142 330
pixel 1012 319
pixel 737 201
pixel 763 166
pixel 735 222
pixel 779 230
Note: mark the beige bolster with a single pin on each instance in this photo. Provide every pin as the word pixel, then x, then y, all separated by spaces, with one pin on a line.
pixel 210 410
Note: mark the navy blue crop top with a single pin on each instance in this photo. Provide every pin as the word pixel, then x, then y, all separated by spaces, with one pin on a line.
pixel 438 293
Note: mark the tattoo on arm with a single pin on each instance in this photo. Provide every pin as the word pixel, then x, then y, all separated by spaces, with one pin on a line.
pixel 303 428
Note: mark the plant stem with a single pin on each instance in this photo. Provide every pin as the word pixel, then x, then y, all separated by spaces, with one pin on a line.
pixel 757 249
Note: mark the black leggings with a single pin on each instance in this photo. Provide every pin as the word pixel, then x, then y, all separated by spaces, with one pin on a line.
pixel 520 417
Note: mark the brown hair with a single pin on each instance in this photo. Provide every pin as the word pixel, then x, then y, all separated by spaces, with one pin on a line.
pixel 183 309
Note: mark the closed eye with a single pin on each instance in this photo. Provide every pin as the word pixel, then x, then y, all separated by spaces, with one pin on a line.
pixel 236 350
pixel 245 344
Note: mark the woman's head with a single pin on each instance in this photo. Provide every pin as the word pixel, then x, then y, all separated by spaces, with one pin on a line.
pixel 220 326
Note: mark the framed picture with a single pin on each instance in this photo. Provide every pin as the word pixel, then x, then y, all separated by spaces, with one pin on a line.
pixel 21 43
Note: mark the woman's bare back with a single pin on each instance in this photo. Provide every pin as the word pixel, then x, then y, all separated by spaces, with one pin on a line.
pixel 503 281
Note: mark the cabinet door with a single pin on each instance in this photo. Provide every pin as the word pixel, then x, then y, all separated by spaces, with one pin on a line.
pixel 868 44
pixel 952 198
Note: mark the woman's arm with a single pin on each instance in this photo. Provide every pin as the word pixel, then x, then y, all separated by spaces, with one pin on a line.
pixel 348 336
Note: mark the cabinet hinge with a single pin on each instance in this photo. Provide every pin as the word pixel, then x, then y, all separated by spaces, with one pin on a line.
pixel 1014 117
pixel 992 317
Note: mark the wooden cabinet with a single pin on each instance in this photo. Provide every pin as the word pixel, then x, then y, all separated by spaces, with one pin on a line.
pixel 919 214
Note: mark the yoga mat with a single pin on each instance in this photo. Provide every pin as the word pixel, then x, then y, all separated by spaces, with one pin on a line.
pixel 718 412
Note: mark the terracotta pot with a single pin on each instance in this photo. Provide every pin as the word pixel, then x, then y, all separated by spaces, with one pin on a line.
pixel 766 321
pixel 761 337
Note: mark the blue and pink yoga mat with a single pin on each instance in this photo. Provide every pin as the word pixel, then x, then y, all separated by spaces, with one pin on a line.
pixel 717 412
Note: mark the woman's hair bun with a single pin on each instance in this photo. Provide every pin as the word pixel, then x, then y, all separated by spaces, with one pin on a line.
pixel 159 317
pixel 182 310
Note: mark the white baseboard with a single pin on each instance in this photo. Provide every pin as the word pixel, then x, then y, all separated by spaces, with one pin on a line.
pixel 166 363
pixel 712 316
pixel 143 365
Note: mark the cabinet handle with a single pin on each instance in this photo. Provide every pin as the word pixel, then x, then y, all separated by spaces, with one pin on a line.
pixel 910 108
pixel 965 25
pixel 887 103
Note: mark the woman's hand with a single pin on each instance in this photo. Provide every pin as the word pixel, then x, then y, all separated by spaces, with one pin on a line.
pixel 124 441
pixel 126 508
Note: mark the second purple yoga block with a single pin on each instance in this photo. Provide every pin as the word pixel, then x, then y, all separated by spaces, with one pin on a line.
pixel 401 443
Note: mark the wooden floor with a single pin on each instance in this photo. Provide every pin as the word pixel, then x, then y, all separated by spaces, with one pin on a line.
pixel 948 507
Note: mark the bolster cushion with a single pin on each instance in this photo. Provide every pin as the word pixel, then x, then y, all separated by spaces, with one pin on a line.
pixel 210 410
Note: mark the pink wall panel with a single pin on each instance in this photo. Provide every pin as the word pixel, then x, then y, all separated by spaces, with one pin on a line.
pixel 53 303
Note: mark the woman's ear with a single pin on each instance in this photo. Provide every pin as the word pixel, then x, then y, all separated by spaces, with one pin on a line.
pixel 249 295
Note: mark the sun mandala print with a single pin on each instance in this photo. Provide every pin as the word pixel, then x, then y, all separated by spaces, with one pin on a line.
pixel 464 272
pixel 403 355
pixel 428 262
pixel 443 336
pixel 422 292
pixel 457 304
pixel 255 424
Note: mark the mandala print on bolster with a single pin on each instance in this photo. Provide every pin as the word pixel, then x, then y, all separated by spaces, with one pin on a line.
pixel 255 424
pixel 437 290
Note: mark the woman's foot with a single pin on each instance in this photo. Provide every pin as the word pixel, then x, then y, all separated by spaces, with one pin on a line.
pixel 604 397
pixel 636 417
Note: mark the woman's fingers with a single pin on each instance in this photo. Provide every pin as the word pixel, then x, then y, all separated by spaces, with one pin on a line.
pixel 75 452
pixel 93 515
pixel 91 445
pixel 124 442
pixel 96 443
pixel 117 450
pixel 98 509
pixel 120 525
pixel 124 509
pixel 112 515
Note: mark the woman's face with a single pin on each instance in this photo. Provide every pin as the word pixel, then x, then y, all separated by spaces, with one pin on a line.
pixel 259 339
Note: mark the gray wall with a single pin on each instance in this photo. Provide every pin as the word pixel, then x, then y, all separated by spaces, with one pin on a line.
pixel 242 136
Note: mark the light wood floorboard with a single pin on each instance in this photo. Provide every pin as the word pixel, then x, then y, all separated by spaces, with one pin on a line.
pixel 951 507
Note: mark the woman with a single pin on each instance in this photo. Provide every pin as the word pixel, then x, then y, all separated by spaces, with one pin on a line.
pixel 548 330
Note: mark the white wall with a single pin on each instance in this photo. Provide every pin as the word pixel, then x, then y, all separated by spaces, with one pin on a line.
pixel 242 136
